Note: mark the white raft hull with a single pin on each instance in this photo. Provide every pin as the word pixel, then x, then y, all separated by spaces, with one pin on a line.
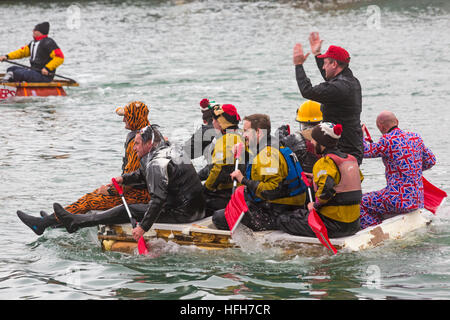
pixel 204 235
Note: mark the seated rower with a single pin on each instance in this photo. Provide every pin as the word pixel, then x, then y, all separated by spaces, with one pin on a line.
pixel 308 115
pixel 218 183
pixel 272 180
pixel 405 157
pixel 173 184
pixel 337 183
pixel 45 57
pixel 135 117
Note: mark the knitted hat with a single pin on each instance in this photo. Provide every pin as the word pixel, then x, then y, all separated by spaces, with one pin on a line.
pixel 226 115
pixel 207 109
pixel 327 134
pixel 43 27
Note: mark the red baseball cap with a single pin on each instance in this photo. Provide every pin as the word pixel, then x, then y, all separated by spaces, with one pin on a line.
pixel 336 53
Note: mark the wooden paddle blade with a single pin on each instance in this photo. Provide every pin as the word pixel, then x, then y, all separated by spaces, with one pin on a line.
pixel 433 196
pixel 236 208
pixel 320 230
pixel 142 246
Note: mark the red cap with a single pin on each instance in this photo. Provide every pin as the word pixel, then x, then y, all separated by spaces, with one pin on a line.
pixel 231 110
pixel 336 53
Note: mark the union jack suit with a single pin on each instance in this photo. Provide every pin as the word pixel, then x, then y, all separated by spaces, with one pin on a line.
pixel 405 157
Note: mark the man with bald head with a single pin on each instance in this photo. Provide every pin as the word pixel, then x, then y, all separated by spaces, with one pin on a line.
pixel 405 157
pixel 386 120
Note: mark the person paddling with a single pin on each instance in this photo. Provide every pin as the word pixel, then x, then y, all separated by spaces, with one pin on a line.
pixel 218 184
pixel 272 182
pixel 172 182
pixel 135 117
pixel 405 157
pixel 337 183
pixel 45 56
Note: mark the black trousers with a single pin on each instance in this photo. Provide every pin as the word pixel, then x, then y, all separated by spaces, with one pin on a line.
pixel 260 216
pixel 119 215
pixel 296 223
pixel 216 200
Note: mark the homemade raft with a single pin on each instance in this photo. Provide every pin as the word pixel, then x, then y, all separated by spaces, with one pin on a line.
pixel 34 89
pixel 204 235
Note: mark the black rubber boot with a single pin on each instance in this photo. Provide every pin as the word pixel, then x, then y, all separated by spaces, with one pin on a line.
pixel 73 222
pixel 45 214
pixel 38 225
pixel 219 220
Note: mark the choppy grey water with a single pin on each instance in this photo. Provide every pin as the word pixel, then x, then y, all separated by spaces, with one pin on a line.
pixel 171 54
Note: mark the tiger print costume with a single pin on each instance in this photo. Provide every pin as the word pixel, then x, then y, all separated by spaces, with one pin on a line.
pixel 136 117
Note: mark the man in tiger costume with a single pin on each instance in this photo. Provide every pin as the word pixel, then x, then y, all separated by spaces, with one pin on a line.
pixel 135 117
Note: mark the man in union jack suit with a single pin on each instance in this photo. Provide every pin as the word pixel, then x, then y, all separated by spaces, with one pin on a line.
pixel 405 156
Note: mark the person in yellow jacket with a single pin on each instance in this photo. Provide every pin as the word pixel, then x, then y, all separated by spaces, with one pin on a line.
pixel 45 57
pixel 272 180
pixel 218 184
pixel 337 184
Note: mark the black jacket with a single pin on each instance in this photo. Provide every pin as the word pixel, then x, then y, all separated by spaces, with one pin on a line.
pixel 341 101
pixel 172 183
pixel 201 138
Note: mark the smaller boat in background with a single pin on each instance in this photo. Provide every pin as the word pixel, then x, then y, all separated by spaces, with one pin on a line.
pixel 34 89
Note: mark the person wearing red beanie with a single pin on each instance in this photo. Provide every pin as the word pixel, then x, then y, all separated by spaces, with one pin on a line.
pixel 340 94
pixel 218 184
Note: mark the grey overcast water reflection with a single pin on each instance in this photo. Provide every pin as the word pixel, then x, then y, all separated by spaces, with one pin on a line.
pixel 171 54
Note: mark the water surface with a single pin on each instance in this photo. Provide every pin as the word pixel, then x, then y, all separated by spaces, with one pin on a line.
pixel 171 54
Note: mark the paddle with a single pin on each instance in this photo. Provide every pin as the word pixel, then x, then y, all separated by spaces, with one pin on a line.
pixel 316 223
pixel 236 207
pixel 433 197
pixel 35 69
pixel 142 245
pixel 368 137
pixel 237 155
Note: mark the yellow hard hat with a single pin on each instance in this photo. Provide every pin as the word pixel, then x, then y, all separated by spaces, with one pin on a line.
pixel 309 111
